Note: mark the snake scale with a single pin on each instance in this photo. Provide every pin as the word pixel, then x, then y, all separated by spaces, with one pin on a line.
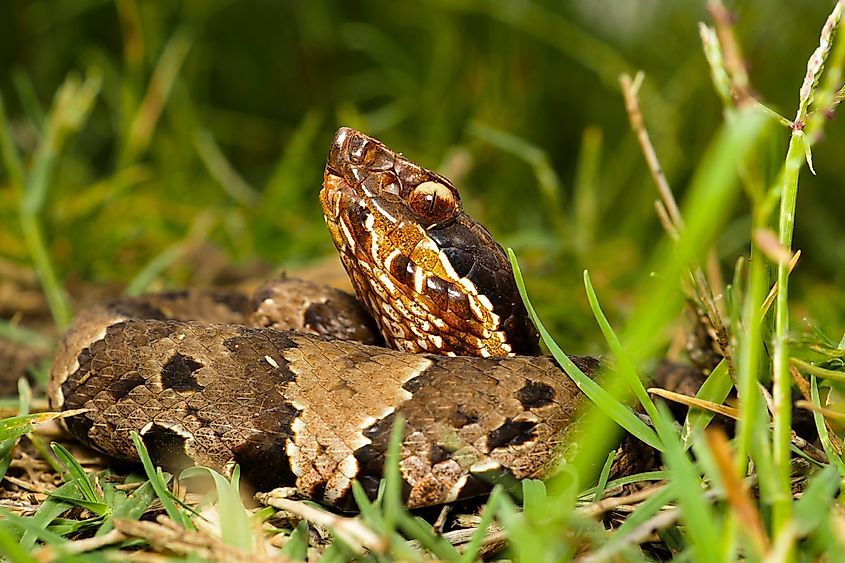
pixel 292 385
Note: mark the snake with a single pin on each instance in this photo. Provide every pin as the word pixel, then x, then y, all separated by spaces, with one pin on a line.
pixel 300 385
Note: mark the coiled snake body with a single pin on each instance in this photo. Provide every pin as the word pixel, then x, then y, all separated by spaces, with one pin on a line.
pixel 292 401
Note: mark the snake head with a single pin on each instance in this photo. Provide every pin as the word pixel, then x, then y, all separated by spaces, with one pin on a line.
pixel 433 278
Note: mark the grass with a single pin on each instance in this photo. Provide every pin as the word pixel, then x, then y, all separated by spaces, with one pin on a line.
pixel 180 170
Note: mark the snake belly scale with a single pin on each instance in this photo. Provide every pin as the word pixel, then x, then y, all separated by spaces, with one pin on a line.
pixel 212 379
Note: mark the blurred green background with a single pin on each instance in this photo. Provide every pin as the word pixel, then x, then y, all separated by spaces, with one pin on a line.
pixel 205 144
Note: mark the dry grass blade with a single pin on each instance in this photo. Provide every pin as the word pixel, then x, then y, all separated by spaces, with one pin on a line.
pixel 668 212
pixel 50 553
pixel 773 292
pixel 632 105
pixel 695 402
pixel 351 530
pixel 612 503
pixel 736 491
pixel 830 414
pixel 767 241
pixel 165 536
pixel 807 392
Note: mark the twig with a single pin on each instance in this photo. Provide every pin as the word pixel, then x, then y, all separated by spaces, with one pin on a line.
pixel 660 521
pixel 632 105
pixel 669 213
pixel 612 503
pixel 52 553
pixel 351 530
pixel 695 402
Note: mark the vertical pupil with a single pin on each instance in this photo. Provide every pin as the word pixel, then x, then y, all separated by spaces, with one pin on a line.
pixel 432 199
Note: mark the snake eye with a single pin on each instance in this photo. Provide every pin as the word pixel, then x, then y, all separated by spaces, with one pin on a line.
pixel 433 202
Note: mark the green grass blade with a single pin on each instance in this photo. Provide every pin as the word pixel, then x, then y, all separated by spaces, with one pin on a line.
pixel 31 526
pixel 72 104
pixel 392 505
pixel 420 530
pixel 816 504
pixel 524 542
pixel 368 511
pixel 16 426
pixel 603 476
pixel 625 367
pixel 534 499
pixel 487 515
pixel 222 171
pixel 621 414
pixel 130 508
pixel 547 179
pixel 585 205
pixel 22 335
pixel 716 389
pixel 296 548
pixel 701 524
pixel 158 91
pixel 824 436
pixel 627 480
pixel 7 445
pixel 235 522
pixel 49 510
pixel 28 97
pixel 12 550
pixel 98 508
pixel 646 510
pixel 203 223
pixel 9 155
pixel 394 514
pixel 78 475
pixel 160 486
pixel 67 526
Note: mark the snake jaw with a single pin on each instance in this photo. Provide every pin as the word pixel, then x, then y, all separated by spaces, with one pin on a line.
pixel 434 279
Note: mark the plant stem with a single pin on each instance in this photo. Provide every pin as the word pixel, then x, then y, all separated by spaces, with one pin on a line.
pixel 782 382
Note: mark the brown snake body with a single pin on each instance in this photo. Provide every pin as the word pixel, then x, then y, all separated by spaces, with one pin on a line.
pixel 307 407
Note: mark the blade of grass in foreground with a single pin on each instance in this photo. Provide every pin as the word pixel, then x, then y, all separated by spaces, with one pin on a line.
pixel 12 550
pixel 95 502
pixel 235 523
pixel 16 426
pixel 701 525
pixel 798 152
pixel 160 486
pixel 7 444
pixel 395 514
pixel 608 404
pixel 132 507
pixel 625 367
pixel 49 510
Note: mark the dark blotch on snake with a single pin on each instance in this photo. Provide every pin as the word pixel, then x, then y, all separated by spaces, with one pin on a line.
pixel 437 453
pixel 122 386
pixel 480 482
pixel 166 447
pixel 178 373
pixel 535 394
pixel 264 462
pixel 511 434
pixel 460 419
